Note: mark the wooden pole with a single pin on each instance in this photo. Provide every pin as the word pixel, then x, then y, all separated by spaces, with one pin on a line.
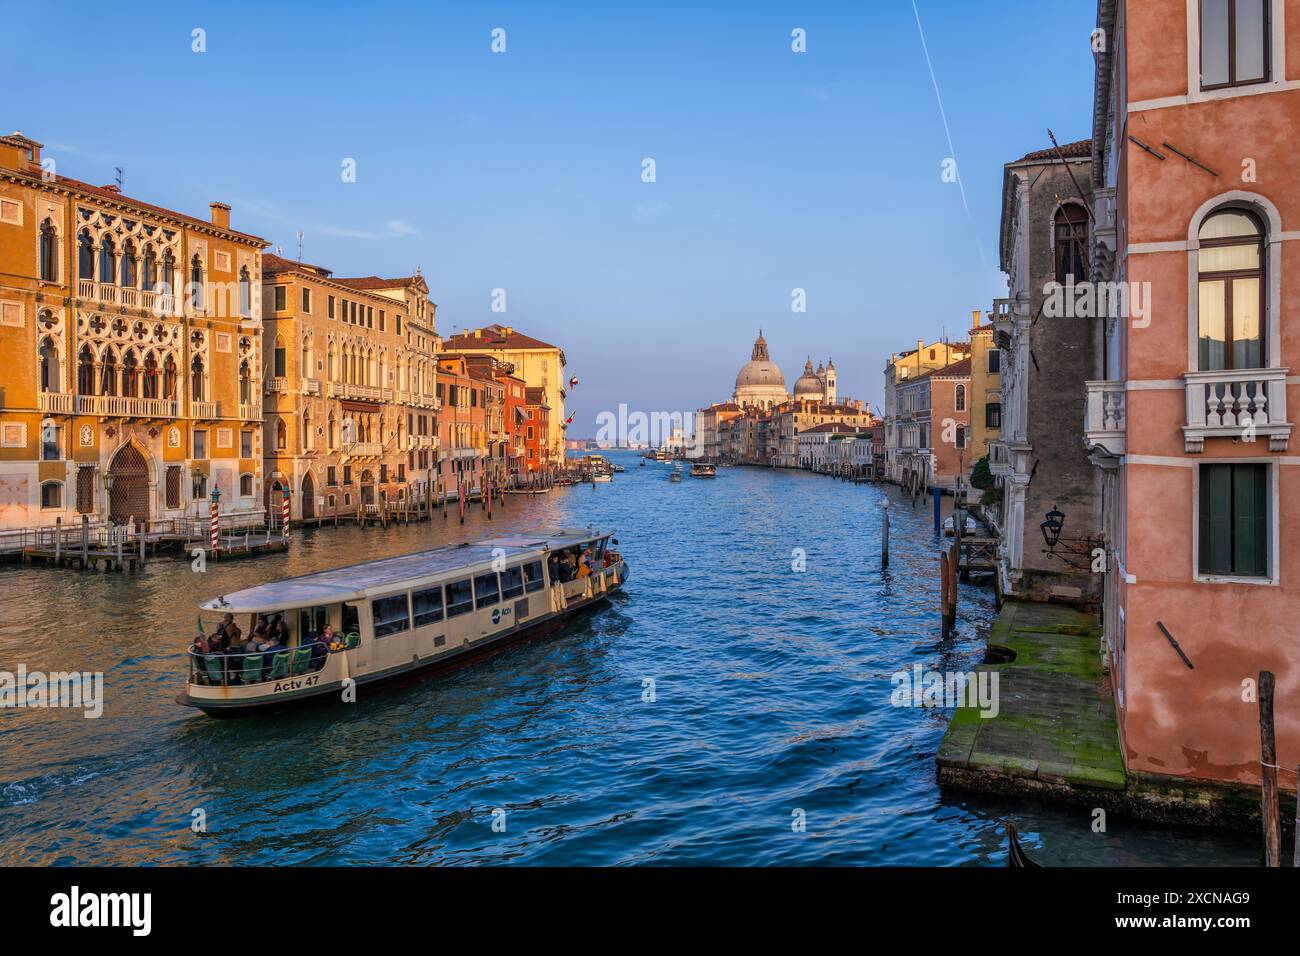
pixel 1268 760
pixel 943 591
pixel 85 541
pixel 58 540
pixel 142 545
pixel 118 535
pixel 884 536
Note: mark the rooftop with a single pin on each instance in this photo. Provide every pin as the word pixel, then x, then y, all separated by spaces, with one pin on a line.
pixel 493 337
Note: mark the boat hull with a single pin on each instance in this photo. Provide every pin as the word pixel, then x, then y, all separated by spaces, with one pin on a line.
pixel 470 654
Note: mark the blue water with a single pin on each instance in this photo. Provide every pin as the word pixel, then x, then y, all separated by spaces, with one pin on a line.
pixel 771 700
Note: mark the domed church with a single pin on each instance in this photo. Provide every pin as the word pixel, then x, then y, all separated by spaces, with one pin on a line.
pixel 818 386
pixel 760 383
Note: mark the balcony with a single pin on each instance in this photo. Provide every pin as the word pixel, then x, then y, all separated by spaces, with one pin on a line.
pixel 118 406
pixel 250 412
pixel 107 293
pixel 59 403
pixel 363 449
pixel 311 386
pixel 1106 420
pixel 1237 403
pixel 205 411
pixel 999 458
pixel 278 385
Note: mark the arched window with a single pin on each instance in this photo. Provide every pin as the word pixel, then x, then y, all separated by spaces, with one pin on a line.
pixel 306 429
pixel 196 379
pixel 1071 239
pixel 331 431
pixel 245 383
pixel 304 368
pixel 86 371
pixel 107 260
pixel 85 256
pixel 281 435
pixel 196 282
pixel 150 376
pixel 280 361
pixel 130 376
pixel 49 252
pixel 52 494
pixel 1230 265
pixel 329 360
pixel 246 485
pixel 149 277
pixel 49 359
pixel 128 265
pixel 959 399
pixel 169 271
pixel 245 293
pixel 169 379
pixel 108 373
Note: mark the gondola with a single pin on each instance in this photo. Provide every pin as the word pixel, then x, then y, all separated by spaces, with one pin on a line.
pixel 1016 858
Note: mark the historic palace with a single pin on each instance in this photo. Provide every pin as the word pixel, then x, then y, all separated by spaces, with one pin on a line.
pixel 156 361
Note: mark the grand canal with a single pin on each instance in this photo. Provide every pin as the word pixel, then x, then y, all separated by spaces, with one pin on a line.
pixel 771 695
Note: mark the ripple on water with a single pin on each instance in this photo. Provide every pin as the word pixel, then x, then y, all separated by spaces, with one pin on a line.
pixel 771 698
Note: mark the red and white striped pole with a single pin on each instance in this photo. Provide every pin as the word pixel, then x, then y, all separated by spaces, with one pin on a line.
pixel 284 514
pixel 216 528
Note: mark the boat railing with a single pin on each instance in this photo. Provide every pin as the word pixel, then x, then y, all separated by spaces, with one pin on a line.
pixel 256 667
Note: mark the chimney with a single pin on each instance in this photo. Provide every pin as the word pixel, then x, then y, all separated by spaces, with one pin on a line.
pixel 478 333
pixel 975 313
pixel 111 188
pixel 220 214
pixel 510 330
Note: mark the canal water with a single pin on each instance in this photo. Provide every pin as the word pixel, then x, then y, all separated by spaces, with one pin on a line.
pixel 696 719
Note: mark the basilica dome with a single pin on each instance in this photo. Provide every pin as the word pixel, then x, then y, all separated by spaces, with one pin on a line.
pixel 810 385
pixel 760 383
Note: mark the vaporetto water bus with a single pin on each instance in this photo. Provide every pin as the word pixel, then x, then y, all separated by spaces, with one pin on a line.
pixel 398 618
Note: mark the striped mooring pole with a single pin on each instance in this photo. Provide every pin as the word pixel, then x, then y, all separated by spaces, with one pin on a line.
pixel 284 514
pixel 216 528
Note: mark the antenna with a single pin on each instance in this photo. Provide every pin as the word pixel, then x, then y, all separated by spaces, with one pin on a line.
pixel 119 171
pixel 299 235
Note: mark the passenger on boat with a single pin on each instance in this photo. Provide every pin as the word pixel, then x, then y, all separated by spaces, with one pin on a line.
pixel 228 630
pixel 584 566
pixel 200 646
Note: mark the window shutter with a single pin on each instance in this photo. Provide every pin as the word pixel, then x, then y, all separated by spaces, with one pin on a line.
pixel 1216 519
pixel 1250 505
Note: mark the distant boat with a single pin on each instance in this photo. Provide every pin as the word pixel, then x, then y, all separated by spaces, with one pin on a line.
pixel 617 468
pixel 701 470
pixel 968 527
pixel 1016 858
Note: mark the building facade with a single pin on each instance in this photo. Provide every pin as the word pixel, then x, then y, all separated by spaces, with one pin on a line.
pixel 1048 354
pixel 1189 413
pixel 538 363
pixel 985 391
pixel 125 327
pixel 900 460
pixel 342 389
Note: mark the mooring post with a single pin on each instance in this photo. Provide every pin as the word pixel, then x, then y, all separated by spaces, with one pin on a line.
pixel 58 541
pixel 142 546
pixel 85 541
pixel 1268 767
pixel 943 591
pixel 884 536
pixel 118 535
pixel 938 508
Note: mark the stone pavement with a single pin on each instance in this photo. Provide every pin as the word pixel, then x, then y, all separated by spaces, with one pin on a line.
pixel 1055 729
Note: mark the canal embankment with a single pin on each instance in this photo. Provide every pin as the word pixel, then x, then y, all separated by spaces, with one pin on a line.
pixel 1054 735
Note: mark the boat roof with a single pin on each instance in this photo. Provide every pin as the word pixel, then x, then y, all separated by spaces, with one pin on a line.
pixel 357 581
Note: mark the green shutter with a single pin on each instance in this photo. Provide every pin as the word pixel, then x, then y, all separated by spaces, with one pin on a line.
pixel 1216 520
pixel 1250 531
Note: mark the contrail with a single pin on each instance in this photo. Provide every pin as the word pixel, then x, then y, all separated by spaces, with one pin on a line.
pixel 952 151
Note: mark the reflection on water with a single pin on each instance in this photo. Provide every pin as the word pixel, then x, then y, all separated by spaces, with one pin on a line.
pixel 771 695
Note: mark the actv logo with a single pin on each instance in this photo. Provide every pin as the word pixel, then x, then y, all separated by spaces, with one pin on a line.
pixel 76 909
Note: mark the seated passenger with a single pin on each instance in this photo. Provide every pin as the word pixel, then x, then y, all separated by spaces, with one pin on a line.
pixel 200 646
pixel 331 640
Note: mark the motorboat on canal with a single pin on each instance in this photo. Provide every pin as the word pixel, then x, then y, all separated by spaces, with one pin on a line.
pixel 703 470
pixel 401 617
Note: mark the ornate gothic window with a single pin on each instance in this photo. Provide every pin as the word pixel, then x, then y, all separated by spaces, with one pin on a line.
pixel 108 373
pixel 196 379
pixel 85 256
pixel 49 252
pixel 86 371
pixel 107 260
pixel 196 282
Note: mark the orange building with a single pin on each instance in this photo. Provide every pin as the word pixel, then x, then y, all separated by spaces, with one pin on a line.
pixel 462 425
pixel 125 327
pixel 347 395
pixel 537 430
pixel 1190 417
pixel 933 425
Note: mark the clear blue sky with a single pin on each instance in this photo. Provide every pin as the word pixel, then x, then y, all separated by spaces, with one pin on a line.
pixel 522 170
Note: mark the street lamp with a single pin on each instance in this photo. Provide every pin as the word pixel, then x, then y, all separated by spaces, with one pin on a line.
pixel 108 492
pixel 1052 527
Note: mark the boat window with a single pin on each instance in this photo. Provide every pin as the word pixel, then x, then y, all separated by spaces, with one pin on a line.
pixel 533 577
pixel 460 599
pixel 512 582
pixel 391 615
pixel 311 621
pixel 486 590
pixel 427 606
pixel 351 619
pixel 600 548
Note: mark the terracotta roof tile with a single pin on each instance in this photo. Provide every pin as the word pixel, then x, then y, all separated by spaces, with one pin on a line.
pixel 1081 149
pixel 494 337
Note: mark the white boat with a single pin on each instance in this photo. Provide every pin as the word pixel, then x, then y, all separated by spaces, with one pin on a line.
pixel 703 470
pixel 397 618
pixel 601 476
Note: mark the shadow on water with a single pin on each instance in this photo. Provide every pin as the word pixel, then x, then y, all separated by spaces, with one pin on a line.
pixel 692 719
